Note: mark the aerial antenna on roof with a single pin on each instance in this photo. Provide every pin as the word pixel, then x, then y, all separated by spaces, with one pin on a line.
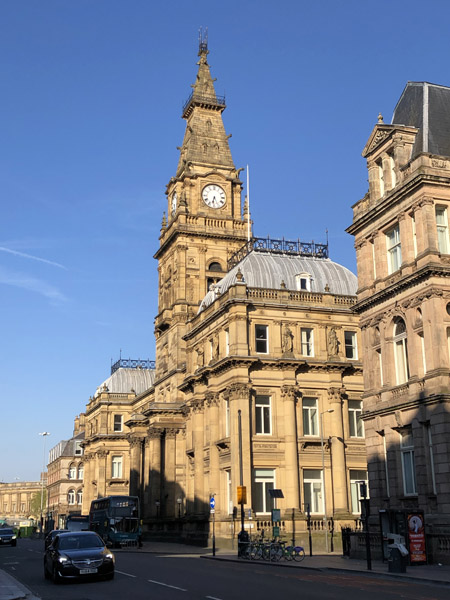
pixel 202 40
pixel 326 232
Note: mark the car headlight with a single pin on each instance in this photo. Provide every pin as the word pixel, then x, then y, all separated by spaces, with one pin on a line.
pixel 64 560
pixel 14 537
pixel 109 556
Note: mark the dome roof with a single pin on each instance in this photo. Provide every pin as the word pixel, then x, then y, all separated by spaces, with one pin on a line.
pixel 123 381
pixel 267 270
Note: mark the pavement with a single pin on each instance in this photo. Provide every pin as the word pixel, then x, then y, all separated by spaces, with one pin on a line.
pixel 11 589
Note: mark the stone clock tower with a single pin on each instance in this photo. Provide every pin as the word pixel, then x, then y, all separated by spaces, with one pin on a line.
pixel 204 226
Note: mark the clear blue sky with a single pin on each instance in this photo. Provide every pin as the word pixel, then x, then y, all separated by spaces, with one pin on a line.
pixel 91 96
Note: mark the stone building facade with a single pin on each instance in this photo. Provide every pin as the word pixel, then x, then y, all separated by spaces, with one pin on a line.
pixel 16 501
pixel 261 329
pixel 403 257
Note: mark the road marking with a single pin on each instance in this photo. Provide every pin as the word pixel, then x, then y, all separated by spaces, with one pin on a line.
pixel 212 598
pixel 174 587
pixel 123 573
pixel 12 563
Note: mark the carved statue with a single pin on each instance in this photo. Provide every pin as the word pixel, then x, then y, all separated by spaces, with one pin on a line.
pixel 288 340
pixel 200 357
pixel 333 342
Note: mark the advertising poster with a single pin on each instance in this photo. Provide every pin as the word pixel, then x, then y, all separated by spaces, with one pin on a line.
pixel 416 531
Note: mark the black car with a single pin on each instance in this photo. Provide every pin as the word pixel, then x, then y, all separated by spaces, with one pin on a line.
pixel 51 536
pixel 7 536
pixel 80 554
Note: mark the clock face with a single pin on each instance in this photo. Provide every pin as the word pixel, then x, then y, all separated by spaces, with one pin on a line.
pixel 213 196
pixel 173 203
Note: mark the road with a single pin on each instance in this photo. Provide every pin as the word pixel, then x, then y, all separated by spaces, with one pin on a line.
pixel 183 577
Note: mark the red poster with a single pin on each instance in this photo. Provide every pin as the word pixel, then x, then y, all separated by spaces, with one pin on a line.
pixel 416 530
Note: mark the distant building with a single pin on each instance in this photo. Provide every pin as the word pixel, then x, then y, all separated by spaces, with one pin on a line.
pixel 65 478
pixel 16 500
pixel 401 231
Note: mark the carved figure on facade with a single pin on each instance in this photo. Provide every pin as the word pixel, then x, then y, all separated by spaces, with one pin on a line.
pixel 200 357
pixel 333 342
pixel 287 343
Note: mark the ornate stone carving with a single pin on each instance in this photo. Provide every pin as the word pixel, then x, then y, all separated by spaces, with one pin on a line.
pixel 154 432
pixel 333 342
pixel 212 399
pixel 379 137
pixel 287 341
pixel 289 392
pixel 239 391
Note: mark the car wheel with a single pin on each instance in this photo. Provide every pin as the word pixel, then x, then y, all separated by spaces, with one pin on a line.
pixel 46 573
pixel 109 576
pixel 13 543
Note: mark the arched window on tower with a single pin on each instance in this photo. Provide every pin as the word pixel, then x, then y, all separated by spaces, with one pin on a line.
pixel 71 497
pixel 401 351
pixel 214 267
pixel 72 472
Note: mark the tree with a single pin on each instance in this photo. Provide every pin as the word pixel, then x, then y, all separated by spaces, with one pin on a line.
pixel 35 505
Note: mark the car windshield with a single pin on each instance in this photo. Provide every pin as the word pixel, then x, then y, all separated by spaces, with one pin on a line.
pixel 5 531
pixel 76 542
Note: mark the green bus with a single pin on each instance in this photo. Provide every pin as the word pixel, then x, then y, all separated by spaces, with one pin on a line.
pixel 116 519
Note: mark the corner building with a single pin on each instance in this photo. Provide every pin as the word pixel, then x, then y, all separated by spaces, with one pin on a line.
pixel 258 326
pixel 403 258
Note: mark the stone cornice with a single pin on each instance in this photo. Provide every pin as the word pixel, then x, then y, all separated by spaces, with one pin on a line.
pixel 403 283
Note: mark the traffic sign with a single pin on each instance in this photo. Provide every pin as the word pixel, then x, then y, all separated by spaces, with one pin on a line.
pixel 212 503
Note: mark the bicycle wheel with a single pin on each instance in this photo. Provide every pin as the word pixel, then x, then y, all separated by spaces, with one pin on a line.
pixel 288 553
pixel 299 553
pixel 256 552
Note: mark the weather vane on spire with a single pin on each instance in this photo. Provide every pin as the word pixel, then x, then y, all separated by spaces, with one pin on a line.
pixel 202 40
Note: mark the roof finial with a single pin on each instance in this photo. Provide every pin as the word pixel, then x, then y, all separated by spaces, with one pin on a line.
pixel 380 118
pixel 202 41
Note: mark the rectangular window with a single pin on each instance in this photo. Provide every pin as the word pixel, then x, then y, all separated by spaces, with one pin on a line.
pixel 118 422
pixel 227 418
pixel 408 463
pixel 351 350
pixel 116 464
pixel 264 480
pixel 356 477
pixel 261 339
pixel 263 416
pixel 312 490
pixel 22 507
pixel 442 229
pixel 394 249
pixel 78 449
pixel 356 424
pixel 229 492
pixel 307 341
pixel 310 416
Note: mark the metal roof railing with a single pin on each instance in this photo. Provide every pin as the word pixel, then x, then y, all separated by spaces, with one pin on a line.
pixel 131 363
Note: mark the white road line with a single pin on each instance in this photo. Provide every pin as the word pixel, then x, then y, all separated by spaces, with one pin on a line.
pixel 212 598
pixel 123 573
pixel 174 587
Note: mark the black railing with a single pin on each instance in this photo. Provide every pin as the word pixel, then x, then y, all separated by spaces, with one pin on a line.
pixel 201 99
pixel 131 363
pixel 282 246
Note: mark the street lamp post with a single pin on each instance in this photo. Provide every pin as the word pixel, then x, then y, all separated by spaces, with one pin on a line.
pixel 179 502
pixel 325 520
pixel 44 435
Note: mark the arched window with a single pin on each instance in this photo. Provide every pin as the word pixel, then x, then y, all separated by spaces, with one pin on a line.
pixel 215 266
pixel 80 471
pixel 401 351
pixel 72 472
pixel 80 497
pixel 71 496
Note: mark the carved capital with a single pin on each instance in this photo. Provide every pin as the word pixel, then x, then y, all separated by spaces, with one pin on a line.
pixel 171 433
pixel 335 395
pixel 239 391
pixel 154 432
pixel 134 442
pixel 212 399
pixel 289 392
pixel 197 406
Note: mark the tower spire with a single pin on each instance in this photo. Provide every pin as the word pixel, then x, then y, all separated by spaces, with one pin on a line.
pixel 202 41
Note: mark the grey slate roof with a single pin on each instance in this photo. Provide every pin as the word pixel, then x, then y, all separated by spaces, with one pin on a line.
pixel 426 106
pixel 123 381
pixel 268 270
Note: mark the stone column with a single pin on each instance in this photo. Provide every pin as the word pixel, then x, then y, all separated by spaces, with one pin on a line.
pixel 339 470
pixel 154 435
pixel 198 443
pixel 146 481
pixel 169 472
pixel 135 465
pixel 102 458
pixel 429 225
pixel 213 403
pixel 292 496
pixel 239 395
